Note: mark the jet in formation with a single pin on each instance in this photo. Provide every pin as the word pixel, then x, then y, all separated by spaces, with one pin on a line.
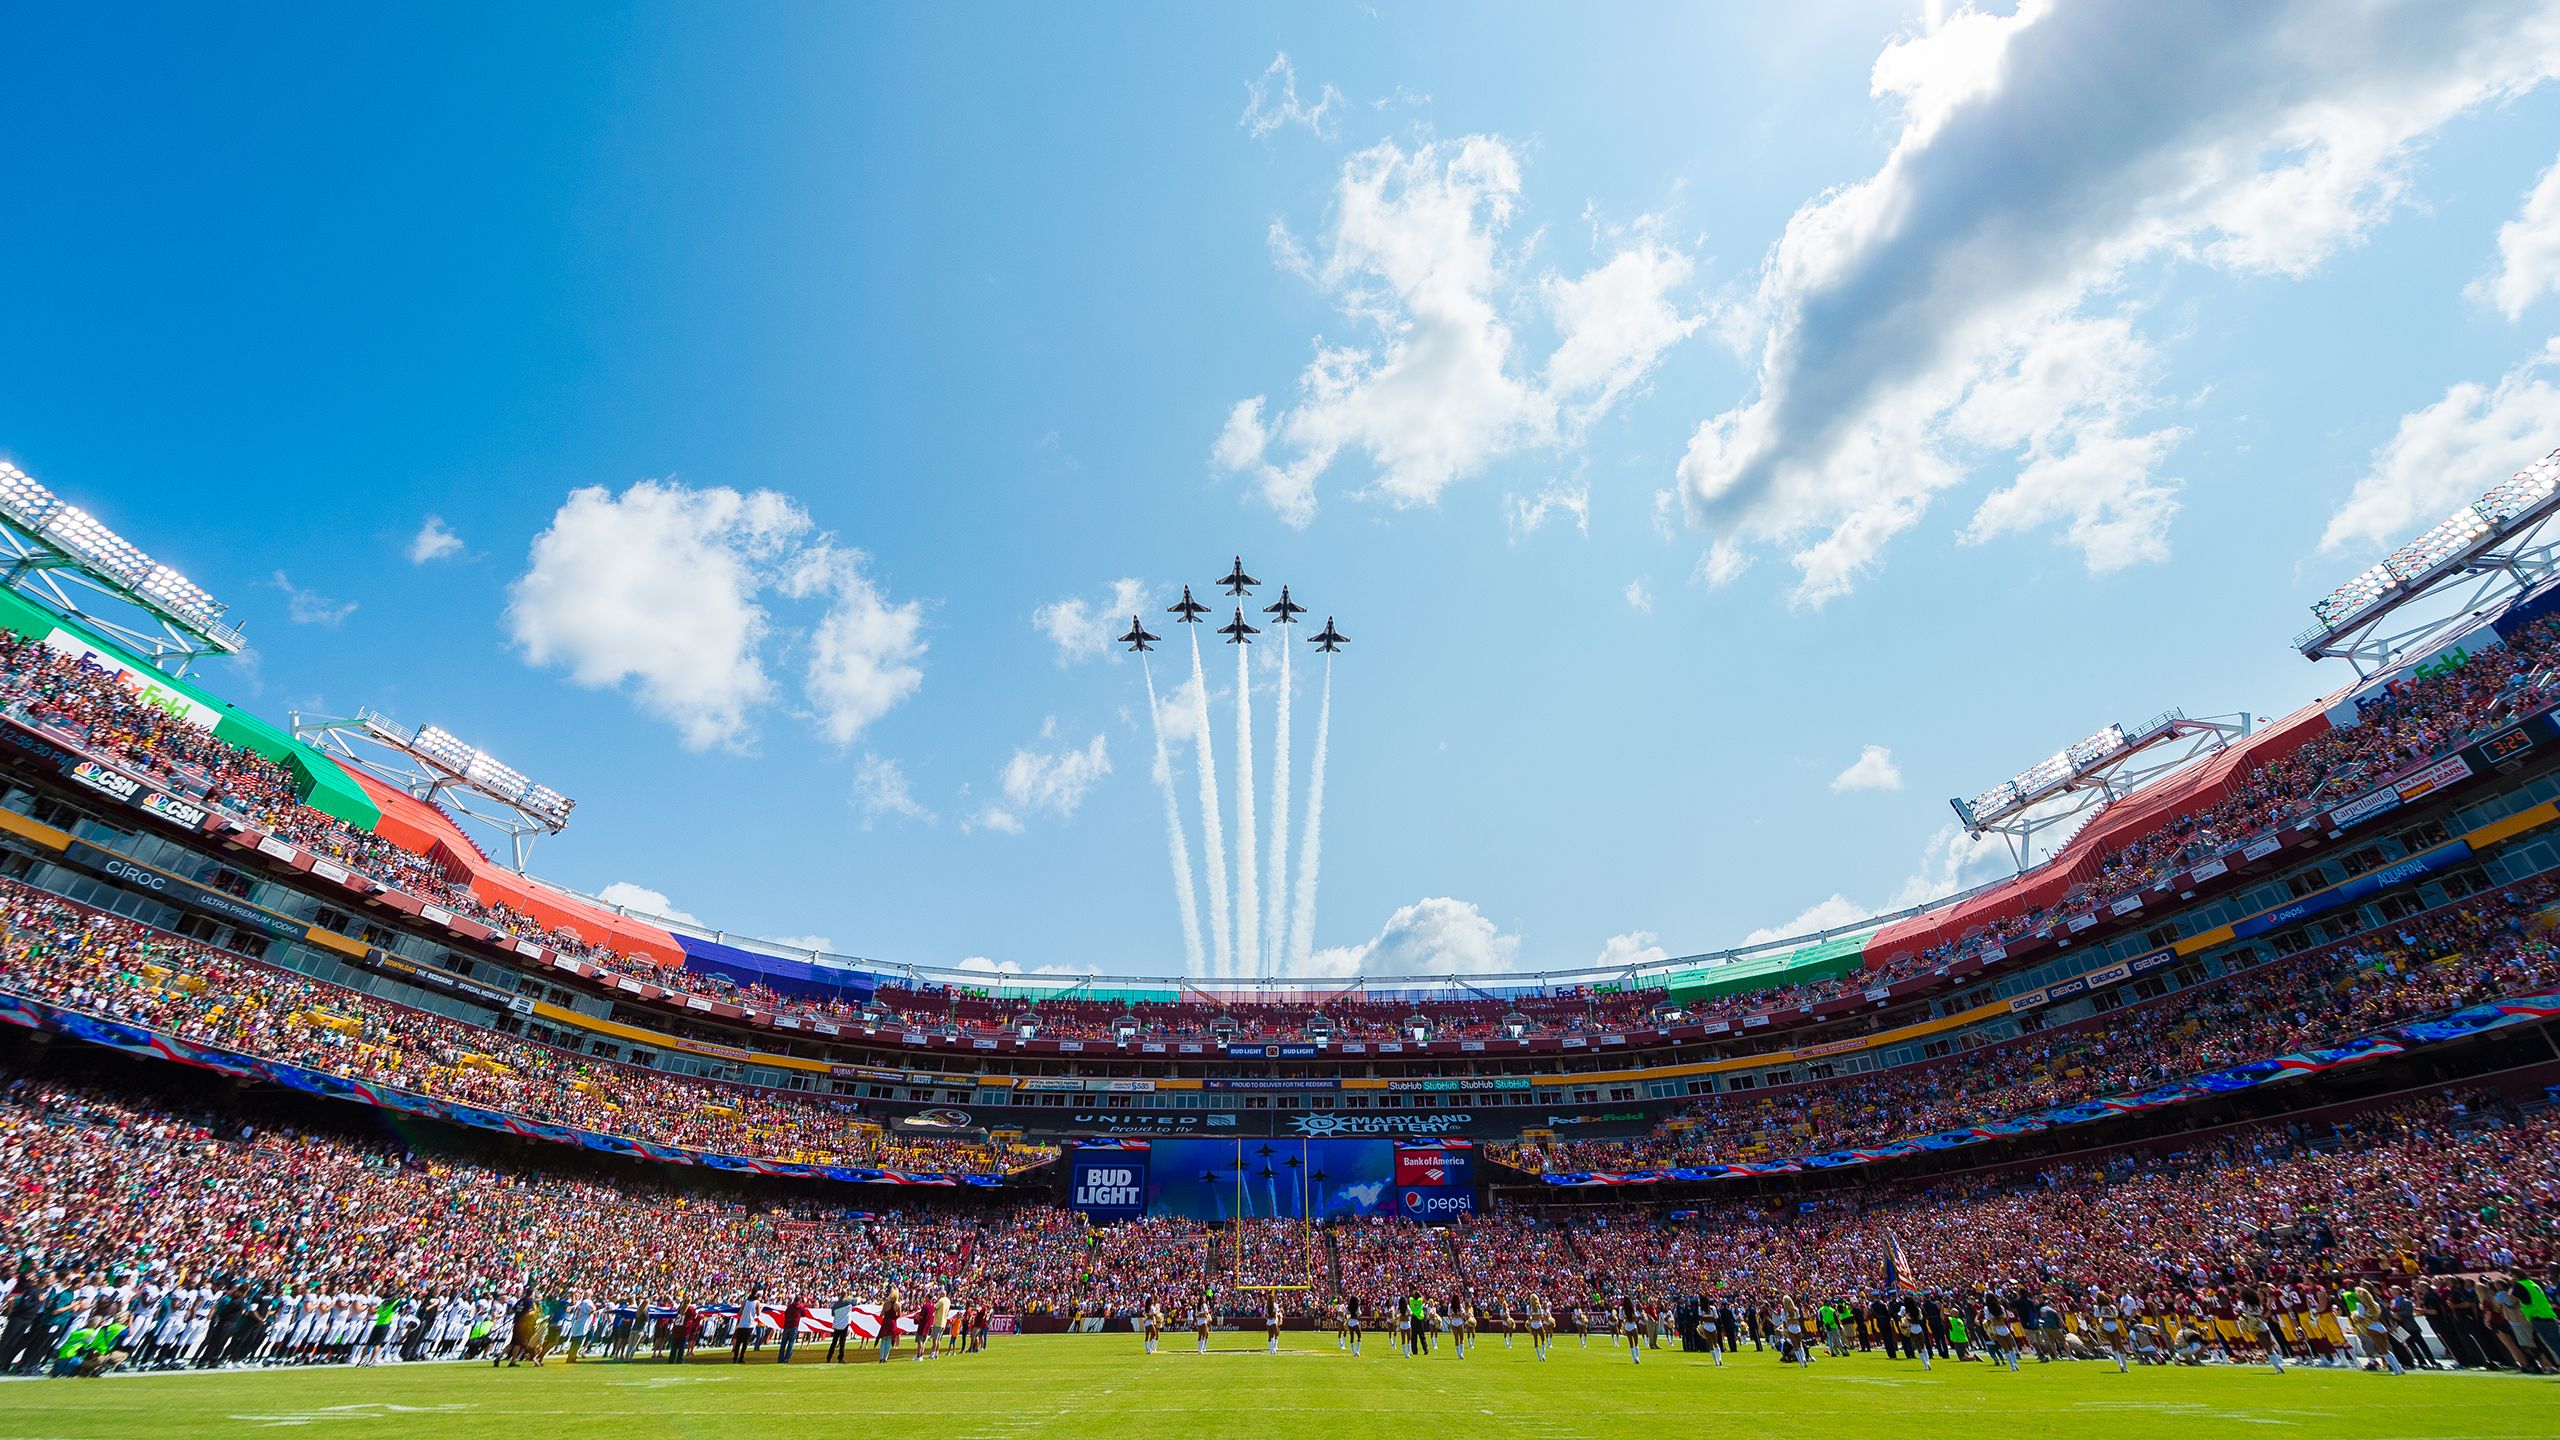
pixel 1189 611
pixel 1138 639
pixel 1328 640
pixel 1238 582
pixel 1236 630
pixel 1287 610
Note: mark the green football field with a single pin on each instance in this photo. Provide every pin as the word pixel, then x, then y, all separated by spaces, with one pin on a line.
pixel 1101 1386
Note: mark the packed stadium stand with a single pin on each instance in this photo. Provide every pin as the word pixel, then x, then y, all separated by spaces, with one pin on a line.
pixel 285 1048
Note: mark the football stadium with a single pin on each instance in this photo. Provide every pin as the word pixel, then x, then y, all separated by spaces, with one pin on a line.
pixel 502 482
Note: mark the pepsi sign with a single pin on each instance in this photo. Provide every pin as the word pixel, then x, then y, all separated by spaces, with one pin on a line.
pixel 1435 1207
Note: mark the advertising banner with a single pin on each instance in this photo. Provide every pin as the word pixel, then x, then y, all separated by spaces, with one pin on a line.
pixel 1433 1165
pixel 1110 1183
pixel 1247 1179
pixel 1435 1207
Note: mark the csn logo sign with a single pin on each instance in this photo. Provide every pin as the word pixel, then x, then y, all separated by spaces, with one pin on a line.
pixel 1112 1187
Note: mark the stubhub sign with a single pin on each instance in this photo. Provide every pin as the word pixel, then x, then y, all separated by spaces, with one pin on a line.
pixel 1435 1207
pixel 1111 1185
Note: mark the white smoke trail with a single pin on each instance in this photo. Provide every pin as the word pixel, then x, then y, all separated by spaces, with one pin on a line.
pixel 1173 831
pixel 1248 891
pixel 1275 944
pixel 1212 825
pixel 1310 850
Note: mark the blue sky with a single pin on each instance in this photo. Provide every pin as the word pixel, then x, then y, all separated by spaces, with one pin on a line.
pixel 1673 404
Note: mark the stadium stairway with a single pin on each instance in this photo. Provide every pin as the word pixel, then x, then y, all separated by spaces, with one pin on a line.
pixel 1575 1246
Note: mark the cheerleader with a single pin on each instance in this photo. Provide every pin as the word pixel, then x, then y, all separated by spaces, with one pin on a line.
pixel 1351 1318
pixel 1151 1325
pixel 1707 1333
pixel 1462 1324
pixel 1502 1318
pixel 1271 1328
pixel 1200 1323
pixel 2254 1329
pixel 2111 1333
pixel 1542 1325
pixel 1631 1320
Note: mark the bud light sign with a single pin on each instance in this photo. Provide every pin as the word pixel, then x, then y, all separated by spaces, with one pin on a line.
pixel 1435 1207
pixel 1110 1184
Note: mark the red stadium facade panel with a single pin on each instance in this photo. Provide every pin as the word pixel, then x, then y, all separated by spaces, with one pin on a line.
pixel 2203 785
pixel 414 825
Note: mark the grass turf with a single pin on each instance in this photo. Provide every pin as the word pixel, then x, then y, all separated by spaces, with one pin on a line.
pixel 1101 1386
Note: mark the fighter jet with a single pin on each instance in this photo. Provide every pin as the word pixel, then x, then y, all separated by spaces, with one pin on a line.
pixel 1137 639
pixel 1328 640
pixel 1236 630
pixel 1189 611
pixel 1238 582
pixel 1288 610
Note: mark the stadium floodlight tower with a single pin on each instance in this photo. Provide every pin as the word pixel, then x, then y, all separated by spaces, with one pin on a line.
pixel 434 765
pixel 70 561
pixel 2460 571
pixel 2072 783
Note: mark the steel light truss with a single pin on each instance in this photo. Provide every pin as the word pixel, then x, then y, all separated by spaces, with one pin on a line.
pixel 2457 572
pixel 71 560
pixel 2088 773
pixel 436 765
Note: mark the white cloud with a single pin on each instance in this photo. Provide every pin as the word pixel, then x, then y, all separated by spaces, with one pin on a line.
pixel 865 654
pixel 1639 596
pixel 1872 770
pixel 1271 101
pixel 1627 951
pixel 2528 252
pixel 1084 629
pixel 980 964
pixel 645 901
pixel 1830 913
pixel 996 818
pixel 1414 256
pixel 2444 455
pixel 1614 324
pixel 1431 936
pixel 819 943
pixel 1903 321
pixel 1558 497
pixel 434 541
pixel 1950 861
pixel 880 788
pixel 310 607
pixel 1054 781
pixel 665 587
pixel 1178 709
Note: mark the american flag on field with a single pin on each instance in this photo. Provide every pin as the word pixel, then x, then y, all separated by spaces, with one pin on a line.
pixel 1897 1266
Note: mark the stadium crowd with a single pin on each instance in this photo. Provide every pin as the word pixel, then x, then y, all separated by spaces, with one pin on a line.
pixel 190 1237
pixel 2483 948
pixel 111 967
pixel 2414 722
